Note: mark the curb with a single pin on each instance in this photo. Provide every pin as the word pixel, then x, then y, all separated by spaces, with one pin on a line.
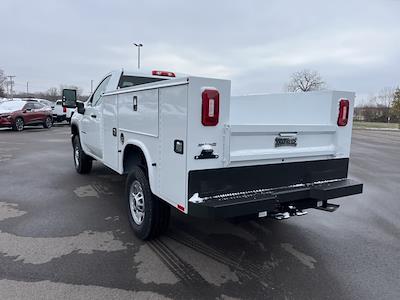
pixel 377 129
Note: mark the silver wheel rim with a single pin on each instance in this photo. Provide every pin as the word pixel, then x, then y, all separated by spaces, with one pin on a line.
pixel 19 124
pixel 76 155
pixel 136 202
pixel 48 122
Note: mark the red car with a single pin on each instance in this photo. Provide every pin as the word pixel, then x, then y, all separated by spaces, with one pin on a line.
pixel 16 114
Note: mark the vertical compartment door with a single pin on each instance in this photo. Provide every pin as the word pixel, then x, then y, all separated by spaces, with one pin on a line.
pixel 172 129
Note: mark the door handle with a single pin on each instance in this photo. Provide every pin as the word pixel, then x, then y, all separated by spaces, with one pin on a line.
pixel 134 103
pixel 93 116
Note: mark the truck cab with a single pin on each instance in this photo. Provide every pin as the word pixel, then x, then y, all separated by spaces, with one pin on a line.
pixel 185 143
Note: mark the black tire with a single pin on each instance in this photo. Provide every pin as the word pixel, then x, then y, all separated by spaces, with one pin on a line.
pixel 18 124
pixel 83 163
pixel 156 212
pixel 48 122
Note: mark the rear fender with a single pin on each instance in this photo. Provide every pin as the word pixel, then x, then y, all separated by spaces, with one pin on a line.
pixel 149 160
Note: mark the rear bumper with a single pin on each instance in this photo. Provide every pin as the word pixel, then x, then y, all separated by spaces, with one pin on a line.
pixel 59 118
pixel 315 195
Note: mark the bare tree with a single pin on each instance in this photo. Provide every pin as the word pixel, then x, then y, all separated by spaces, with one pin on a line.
pixel 53 92
pixel 305 81
pixel 395 106
pixel 385 97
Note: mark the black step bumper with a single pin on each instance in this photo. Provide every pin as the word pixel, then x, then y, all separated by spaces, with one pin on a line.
pixel 313 195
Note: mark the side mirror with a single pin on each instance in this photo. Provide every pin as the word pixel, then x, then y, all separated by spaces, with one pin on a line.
pixel 81 107
pixel 69 98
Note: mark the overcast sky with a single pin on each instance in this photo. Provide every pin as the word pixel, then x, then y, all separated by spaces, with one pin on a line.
pixel 355 45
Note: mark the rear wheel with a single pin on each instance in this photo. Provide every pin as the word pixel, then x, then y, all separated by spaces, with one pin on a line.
pixel 19 124
pixel 83 163
pixel 148 215
pixel 48 123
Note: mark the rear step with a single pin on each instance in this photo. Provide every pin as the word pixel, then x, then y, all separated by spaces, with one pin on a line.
pixel 276 200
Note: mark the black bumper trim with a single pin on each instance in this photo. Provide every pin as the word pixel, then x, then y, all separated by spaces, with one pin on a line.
pixel 210 182
pixel 301 196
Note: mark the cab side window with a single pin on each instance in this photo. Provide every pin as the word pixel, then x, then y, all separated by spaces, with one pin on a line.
pixel 96 99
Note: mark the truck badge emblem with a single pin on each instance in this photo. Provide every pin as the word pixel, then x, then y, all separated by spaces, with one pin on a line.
pixel 282 141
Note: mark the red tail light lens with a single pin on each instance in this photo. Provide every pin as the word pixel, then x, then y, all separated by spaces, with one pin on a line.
pixel 343 112
pixel 64 109
pixel 210 107
pixel 163 73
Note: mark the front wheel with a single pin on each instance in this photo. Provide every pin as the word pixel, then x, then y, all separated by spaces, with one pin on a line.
pixel 148 215
pixel 83 163
pixel 48 122
pixel 19 124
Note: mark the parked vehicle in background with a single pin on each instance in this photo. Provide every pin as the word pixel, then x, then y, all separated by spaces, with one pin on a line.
pixel 17 113
pixel 61 113
pixel 186 143
pixel 43 101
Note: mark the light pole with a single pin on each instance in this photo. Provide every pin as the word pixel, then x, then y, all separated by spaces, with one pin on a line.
pixel 138 58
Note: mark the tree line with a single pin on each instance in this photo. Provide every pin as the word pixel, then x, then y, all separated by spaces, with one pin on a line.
pixel 51 94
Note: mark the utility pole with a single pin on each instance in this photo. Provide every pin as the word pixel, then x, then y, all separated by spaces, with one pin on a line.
pixel 11 81
pixel 138 45
pixel 8 88
pixel 27 88
pixel 91 86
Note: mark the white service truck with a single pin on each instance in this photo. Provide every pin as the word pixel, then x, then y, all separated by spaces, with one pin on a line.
pixel 186 143
pixel 61 113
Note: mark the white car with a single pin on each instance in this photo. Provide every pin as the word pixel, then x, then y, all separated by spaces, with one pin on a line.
pixel 61 113
pixel 43 101
pixel 186 143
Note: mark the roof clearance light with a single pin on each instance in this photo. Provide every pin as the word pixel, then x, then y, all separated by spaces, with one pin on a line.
pixel 163 73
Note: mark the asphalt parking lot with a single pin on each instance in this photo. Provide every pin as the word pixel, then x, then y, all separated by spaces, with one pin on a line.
pixel 64 235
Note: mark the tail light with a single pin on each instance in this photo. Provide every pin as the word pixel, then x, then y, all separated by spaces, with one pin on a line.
pixel 163 73
pixel 210 107
pixel 64 109
pixel 343 112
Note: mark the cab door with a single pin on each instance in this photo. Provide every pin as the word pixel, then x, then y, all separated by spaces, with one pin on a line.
pixel 110 131
pixel 92 122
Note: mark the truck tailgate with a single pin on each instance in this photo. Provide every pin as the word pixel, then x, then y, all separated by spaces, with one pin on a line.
pixel 278 127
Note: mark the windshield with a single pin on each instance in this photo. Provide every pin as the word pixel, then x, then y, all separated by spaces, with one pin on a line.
pixel 12 105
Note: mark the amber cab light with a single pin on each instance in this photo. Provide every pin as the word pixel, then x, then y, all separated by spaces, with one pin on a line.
pixel 163 73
